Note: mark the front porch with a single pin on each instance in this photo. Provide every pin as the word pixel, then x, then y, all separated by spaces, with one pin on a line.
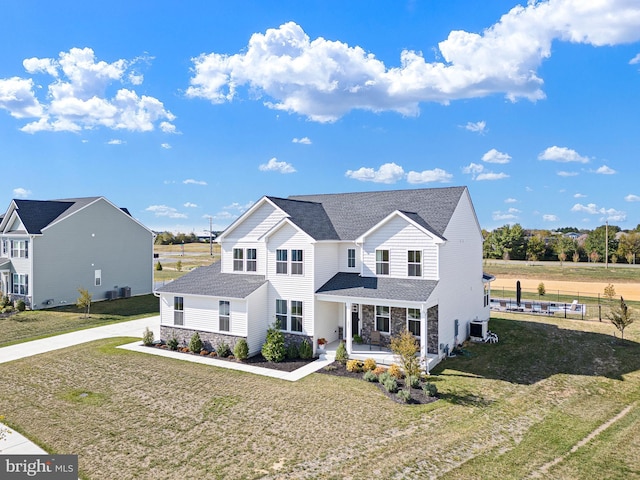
pixel 382 355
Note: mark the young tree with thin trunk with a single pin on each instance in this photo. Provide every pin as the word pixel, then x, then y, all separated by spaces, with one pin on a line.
pixel 406 347
pixel 84 301
pixel 621 317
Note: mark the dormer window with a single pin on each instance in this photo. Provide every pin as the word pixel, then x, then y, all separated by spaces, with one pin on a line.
pixel 382 262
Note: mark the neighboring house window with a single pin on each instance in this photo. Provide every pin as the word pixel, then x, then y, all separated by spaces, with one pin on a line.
pixel 296 316
pixel 238 262
pixel 281 314
pixel 296 262
pixel 281 261
pixel 98 277
pixel 382 262
pixel 20 248
pixel 20 284
pixel 413 321
pixel 223 315
pixel 351 258
pixel 383 318
pixel 414 260
pixel 252 264
pixel 178 310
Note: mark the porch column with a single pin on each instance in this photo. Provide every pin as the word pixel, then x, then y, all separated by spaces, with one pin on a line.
pixel 423 336
pixel 347 327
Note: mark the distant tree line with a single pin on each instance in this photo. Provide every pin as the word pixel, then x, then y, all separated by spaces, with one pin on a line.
pixel 168 238
pixel 512 242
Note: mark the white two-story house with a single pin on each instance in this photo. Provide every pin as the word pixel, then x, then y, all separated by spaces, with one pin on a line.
pixel 339 265
pixel 51 248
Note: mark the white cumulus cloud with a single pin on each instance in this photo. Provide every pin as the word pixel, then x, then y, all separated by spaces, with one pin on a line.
pixel 579 195
pixel 165 211
pixel 429 176
pixel 191 181
pixel 324 79
pixel 510 200
pixel 166 146
pixel 606 213
pixel 478 127
pixel 387 173
pixel 632 198
pixel 116 141
pixel 549 218
pixel 562 154
pixel 563 173
pixel 274 165
pixel 605 170
pixel 21 192
pixel 190 205
pixel 494 156
pixel 303 140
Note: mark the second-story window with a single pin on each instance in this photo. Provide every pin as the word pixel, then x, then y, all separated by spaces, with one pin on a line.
pixel 382 262
pixel 414 262
pixel 4 247
pixel 296 262
pixel 238 260
pixel 20 248
pixel 281 261
pixel 252 263
pixel 351 258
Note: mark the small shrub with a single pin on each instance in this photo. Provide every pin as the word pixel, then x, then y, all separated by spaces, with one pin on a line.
pixel 147 337
pixel 395 371
pixel 390 385
pixel 223 349
pixel 4 301
pixel 292 352
pixel 609 291
pixel 379 370
pixel 341 353
pixel 195 344
pixel 158 266
pixel 172 343
pixel 430 389
pixel 354 366
pixel 369 376
pixel 384 376
pixel 357 339
pixel 404 395
pixel 7 309
pixel 541 289
pixel 305 350
pixel 179 265
pixel 369 364
pixel 413 381
pixel 21 306
pixel 273 349
pixel 241 349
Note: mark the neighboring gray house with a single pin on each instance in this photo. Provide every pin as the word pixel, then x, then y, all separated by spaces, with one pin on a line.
pixel 338 265
pixel 49 249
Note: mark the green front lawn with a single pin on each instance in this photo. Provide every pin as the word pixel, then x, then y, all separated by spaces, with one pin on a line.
pixel 506 410
pixel 31 325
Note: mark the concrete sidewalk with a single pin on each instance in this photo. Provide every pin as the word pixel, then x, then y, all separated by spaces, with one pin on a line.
pixel 133 328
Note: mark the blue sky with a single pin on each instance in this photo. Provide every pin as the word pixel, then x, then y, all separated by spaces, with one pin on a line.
pixel 182 111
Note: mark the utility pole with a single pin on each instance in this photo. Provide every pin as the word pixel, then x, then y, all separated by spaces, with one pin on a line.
pixel 210 236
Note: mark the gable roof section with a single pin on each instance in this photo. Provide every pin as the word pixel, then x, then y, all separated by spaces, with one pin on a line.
pixel 382 288
pixel 350 215
pixel 210 282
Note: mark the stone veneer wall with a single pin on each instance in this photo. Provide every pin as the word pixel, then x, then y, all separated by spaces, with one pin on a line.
pixel 292 338
pixel 432 330
pixel 210 340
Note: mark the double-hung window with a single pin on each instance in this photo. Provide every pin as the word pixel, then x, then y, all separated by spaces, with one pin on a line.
pixel 383 317
pixel 414 263
pixel 296 316
pixel 351 258
pixel 238 260
pixel 223 315
pixel 281 261
pixel 20 284
pixel 413 321
pixel 281 314
pixel 382 262
pixel 252 262
pixel 20 248
pixel 296 262
pixel 178 310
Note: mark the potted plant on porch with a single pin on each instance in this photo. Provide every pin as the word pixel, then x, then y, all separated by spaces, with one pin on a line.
pixel 321 344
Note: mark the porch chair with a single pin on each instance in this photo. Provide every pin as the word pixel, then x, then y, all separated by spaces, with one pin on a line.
pixel 544 308
pixel 374 339
pixel 574 306
pixel 528 306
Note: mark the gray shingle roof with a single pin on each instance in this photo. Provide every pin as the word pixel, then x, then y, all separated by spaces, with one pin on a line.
pixel 37 214
pixel 209 281
pixel 346 216
pixel 403 289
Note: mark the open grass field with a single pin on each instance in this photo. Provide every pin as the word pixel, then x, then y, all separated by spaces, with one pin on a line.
pixel 569 272
pixel 191 255
pixel 516 409
pixel 30 325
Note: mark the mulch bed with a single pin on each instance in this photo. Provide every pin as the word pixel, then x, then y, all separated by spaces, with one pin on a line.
pixel 418 396
pixel 256 360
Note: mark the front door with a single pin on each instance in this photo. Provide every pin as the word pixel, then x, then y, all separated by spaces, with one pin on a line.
pixel 355 321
